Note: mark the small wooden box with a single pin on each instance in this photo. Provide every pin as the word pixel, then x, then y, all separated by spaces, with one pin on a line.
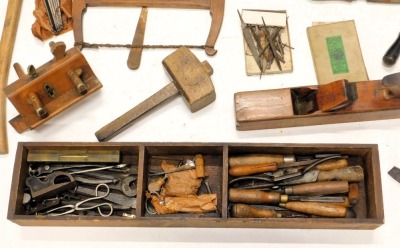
pixel 140 156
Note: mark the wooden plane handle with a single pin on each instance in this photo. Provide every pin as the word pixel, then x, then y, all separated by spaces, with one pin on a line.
pixel 253 196
pixel 246 211
pixel 6 48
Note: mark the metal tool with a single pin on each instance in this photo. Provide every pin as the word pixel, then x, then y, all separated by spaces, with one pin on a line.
pixel 54 14
pixel 55 183
pixel 68 209
pixel 191 79
pixel 250 41
pixel 119 199
pixel 48 169
pixel 6 49
pixel 395 173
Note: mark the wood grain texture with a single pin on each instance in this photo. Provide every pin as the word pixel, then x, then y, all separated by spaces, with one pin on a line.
pixel 371 104
pixel 6 50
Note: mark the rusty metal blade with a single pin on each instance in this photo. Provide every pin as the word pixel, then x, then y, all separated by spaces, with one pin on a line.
pixel 135 54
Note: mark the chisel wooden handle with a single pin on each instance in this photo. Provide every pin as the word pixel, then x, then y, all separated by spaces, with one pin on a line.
pixel 253 196
pixel 332 164
pixel 245 170
pixel 350 174
pixel 254 159
pixel 318 188
pixel 392 53
pixel 246 211
pixel 316 208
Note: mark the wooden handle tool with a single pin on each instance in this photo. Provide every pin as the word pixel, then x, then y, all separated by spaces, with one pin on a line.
pixel 253 196
pixel 199 163
pixel 249 169
pixel 392 53
pixel 135 54
pixel 318 188
pixel 316 208
pixel 6 49
pixel 350 174
pixel 246 211
pixel 191 78
pixel 256 159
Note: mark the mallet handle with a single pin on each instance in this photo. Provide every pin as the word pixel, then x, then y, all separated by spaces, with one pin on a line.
pixel 6 49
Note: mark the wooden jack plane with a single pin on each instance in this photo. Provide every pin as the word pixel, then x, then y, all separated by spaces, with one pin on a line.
pixel 216 8
pixel 50 89
pixel 337 102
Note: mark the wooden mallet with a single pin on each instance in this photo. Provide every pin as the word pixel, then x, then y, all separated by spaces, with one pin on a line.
pixel 6 49
pixel 190 77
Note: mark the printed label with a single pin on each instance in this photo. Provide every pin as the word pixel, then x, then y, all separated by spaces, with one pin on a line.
pixel 337 54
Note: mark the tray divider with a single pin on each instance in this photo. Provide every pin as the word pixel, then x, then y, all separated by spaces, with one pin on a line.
pixel 224 193
pixel 141 189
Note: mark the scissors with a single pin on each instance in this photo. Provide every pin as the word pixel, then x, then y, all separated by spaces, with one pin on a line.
pixel 70 208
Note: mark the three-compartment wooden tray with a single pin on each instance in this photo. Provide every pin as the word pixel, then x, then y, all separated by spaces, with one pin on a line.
pixel 369 210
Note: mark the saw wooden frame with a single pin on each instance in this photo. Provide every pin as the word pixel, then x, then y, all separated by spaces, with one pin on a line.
pixel 216 8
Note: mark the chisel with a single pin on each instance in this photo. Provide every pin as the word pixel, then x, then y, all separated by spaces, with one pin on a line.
pixel 254 196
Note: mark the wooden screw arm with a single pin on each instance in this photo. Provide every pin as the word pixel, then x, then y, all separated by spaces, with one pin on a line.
pixel 6 49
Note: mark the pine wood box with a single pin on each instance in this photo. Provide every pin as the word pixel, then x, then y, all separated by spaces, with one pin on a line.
pixel 370 213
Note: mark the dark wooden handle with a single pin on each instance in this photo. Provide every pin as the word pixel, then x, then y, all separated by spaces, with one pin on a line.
pixel 316 208
pixel 253 196
pixel 318 188
pixel 392 53
pixel 249 169
pixel 350 174
pixel 246 211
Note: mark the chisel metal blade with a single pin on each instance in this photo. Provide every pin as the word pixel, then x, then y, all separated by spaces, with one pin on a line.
pixel 250 42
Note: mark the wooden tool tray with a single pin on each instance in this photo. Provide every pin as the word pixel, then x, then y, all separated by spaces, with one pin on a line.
pixel 145 157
